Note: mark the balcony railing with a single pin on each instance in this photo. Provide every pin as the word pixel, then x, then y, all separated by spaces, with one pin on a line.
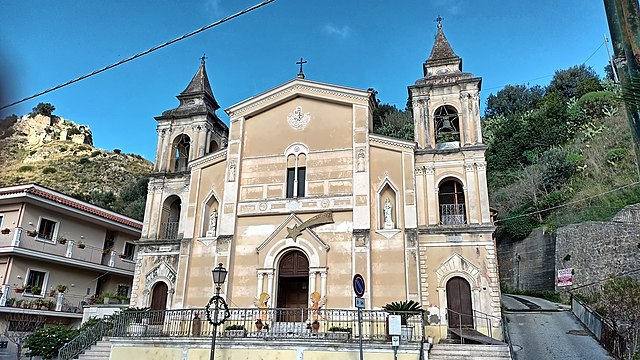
pixel 71 249
pixel 452 214
pixel 169 230
pixel 306 324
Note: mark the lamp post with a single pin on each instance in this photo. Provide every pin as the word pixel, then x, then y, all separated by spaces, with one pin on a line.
pixel 219 276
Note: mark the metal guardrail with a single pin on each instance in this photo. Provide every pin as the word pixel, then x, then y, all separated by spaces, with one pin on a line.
pixel 478 319
pixel 169 230
pixel 84 340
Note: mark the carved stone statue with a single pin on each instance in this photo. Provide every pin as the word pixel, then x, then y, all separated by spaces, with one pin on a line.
pixel 388 222
pixel 360 161
pixel 213 221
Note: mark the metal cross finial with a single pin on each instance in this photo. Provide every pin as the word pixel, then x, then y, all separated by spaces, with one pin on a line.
pixel 301 62
pixel 203 58
pixel 439 21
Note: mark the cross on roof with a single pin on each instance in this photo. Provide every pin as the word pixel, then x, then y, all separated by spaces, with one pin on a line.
pixel 203 58
pixel 301 62
pixel 439 20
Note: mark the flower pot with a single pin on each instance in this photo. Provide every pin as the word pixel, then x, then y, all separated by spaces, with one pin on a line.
pixel 315 326
pixel 18 291
pixel 62 241
pixel 5 231
pixel 259 326
pixel 81 246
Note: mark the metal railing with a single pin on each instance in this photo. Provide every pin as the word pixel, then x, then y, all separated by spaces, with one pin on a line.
pixel 169 230
pixel 452 214
pixel 303 323
pixel 477 319
pixel 85 339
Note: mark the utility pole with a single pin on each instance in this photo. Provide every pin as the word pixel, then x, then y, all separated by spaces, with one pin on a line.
pixel 613 67
pixel 623 17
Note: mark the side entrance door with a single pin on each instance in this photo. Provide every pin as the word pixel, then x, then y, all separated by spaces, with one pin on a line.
pixel 460 310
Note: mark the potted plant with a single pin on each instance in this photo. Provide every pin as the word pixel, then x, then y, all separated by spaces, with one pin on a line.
pixel 5 231
pixel 106 251
pixel 32 233
pixel 235 330
pixel 315 325
pixel 81 244
pixel 62 240
pixel 62 288
pixel 10 302
pixel 19 289
pixel 339 333
pixel 123 256
pixel 138 320
pixel 406 309
pixel 36 290
pixel 259 324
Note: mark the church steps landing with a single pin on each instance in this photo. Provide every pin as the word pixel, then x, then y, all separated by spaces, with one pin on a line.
pixel 468 351
pixel 100 351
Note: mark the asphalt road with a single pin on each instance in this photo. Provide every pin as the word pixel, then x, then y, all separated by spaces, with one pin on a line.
pixel 542 330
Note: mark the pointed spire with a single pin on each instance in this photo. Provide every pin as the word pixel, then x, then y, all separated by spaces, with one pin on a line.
pixel 441 54
pixel 199 85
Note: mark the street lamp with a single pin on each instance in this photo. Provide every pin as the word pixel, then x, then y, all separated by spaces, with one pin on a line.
pixel 219 276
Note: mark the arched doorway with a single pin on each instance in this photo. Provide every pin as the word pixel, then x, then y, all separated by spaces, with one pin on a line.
pixel 293 286
pixel 158 302
pixel 460 309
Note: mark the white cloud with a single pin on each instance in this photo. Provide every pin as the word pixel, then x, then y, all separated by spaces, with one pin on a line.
pixel 342 32
pixel 214 7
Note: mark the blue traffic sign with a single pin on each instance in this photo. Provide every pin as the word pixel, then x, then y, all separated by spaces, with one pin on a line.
pixel 358 285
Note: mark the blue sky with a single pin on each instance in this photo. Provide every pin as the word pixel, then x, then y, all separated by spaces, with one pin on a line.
pixel 379 44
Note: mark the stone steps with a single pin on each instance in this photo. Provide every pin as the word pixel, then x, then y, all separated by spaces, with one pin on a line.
pixel 469 352
pixel 100 351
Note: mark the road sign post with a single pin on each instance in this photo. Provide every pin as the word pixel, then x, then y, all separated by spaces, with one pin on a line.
pixel 358 289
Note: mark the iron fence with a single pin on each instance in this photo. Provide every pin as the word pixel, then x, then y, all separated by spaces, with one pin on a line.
pixel 452 214
pixel 169 230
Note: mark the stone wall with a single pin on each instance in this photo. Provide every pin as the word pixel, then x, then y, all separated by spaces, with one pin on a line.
pixel 595 249
pixel 532 259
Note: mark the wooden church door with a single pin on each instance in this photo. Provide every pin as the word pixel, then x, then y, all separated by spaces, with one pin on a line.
pixel 293 286
pixel 460 309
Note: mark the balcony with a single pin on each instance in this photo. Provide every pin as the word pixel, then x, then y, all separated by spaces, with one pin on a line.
pixel 48 303
pixel 169 230
pixel 21 242
pixel 291 324
pixel 452 214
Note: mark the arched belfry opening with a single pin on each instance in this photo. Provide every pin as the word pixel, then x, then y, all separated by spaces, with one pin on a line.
pixel 181 146
pixel 170 223
pixel 452 202
pixel 293 285
pixel 447 124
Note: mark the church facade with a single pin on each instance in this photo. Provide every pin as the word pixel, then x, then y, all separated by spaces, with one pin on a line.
pixel 298 194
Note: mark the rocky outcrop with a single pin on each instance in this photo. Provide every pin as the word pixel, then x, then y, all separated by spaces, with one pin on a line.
pixel 40 129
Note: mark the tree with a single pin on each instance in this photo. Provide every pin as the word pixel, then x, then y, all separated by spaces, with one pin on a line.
pixel 45 109
pixel 47 341
pixel 19 325
pixel 621 303
pixel 389 121
pixel 566 82
pixel 513 99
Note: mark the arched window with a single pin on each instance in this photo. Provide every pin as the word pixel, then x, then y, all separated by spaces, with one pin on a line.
pixel 170 223
pixel 446 124
pixel 181 147
pixel 451 199
pixel 296 171
pixel 213 146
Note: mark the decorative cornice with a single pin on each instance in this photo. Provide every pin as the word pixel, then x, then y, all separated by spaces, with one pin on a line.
pixel 456 229
pixel 384 140
pixel 220 154
pixel 293 86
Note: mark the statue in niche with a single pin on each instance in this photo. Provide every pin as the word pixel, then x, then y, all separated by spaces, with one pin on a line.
pixel 213 221
pixel 232 171
pixel 360 161
pixel 388 222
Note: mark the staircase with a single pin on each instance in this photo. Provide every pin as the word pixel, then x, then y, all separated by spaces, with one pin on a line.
pixel 469 352
pixel 100 351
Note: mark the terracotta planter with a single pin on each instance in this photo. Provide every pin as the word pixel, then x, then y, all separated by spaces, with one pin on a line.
pixel 315 326
pixel 259 326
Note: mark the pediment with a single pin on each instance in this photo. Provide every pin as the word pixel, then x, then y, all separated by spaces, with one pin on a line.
pixel 456 264
pixel 281 233
pixel 162 270
pixel 298 88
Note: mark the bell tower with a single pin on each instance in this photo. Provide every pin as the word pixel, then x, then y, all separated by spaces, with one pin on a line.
pixel 446 102
pixel 191 130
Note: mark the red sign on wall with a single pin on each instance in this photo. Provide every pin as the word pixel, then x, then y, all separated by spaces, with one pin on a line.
pixel 565 277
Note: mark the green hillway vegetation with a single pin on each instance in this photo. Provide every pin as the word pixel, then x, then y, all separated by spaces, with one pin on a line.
pixel 110 179
pixel 549 147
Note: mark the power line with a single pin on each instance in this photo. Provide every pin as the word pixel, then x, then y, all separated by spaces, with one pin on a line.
pixel 249 9
pixel 570 202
